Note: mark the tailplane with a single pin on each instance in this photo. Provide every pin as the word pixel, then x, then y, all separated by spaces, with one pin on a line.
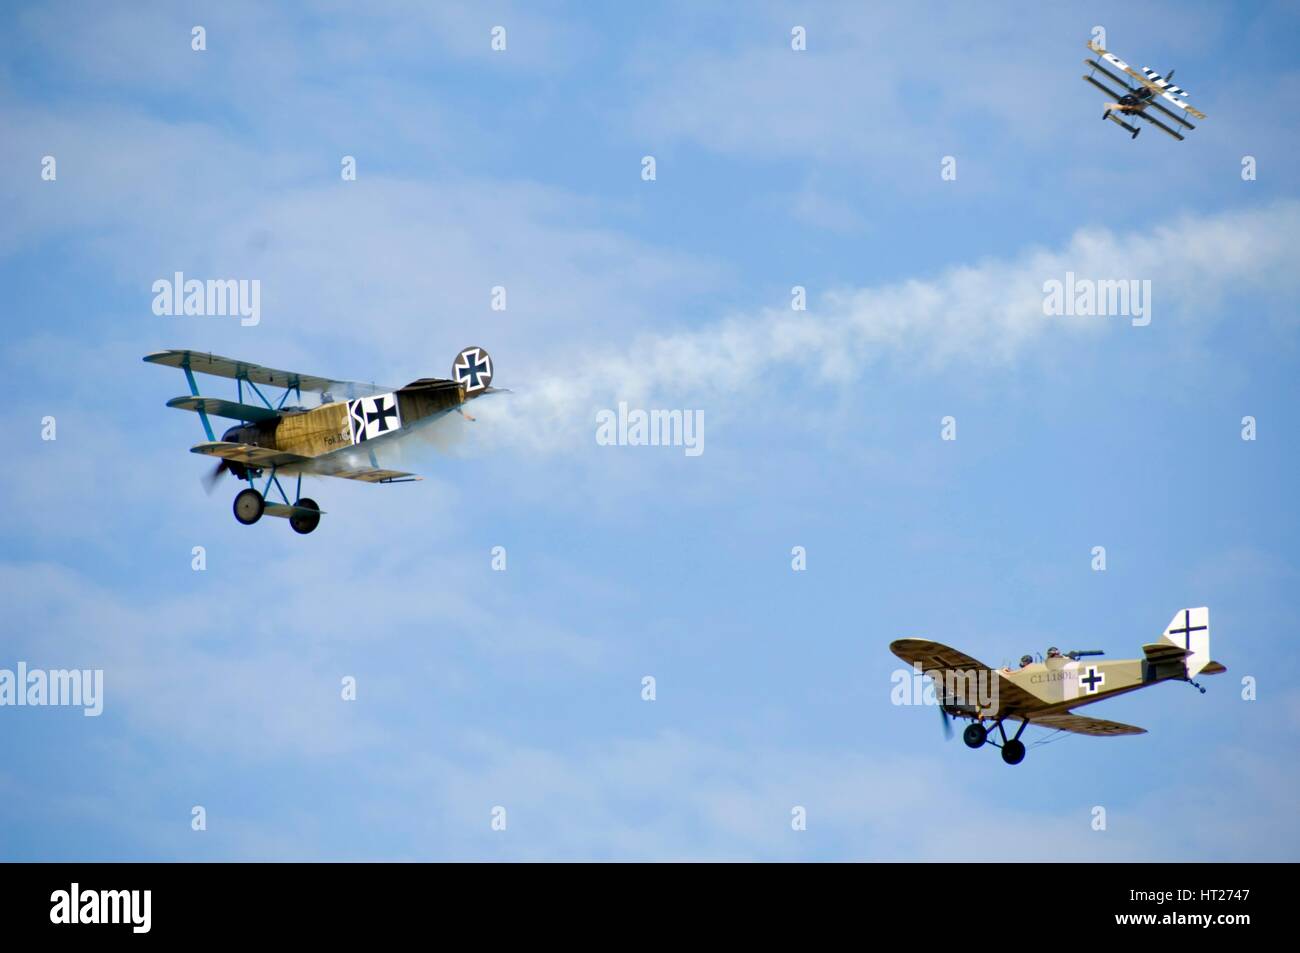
pixel 1190 630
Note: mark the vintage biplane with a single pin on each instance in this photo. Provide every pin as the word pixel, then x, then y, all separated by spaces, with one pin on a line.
pixel 1143 92
pixel 339 438
pixel 1044 693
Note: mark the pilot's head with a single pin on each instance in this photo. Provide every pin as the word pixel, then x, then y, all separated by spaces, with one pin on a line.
pixel 1053 652
pixel 1026 660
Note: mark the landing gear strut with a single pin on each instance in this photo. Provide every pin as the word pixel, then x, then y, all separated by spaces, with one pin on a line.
pixel 1013 749
pixel 250 505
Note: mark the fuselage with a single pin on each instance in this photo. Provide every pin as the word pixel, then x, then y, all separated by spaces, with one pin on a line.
pixel 344 423
pixel 1062 683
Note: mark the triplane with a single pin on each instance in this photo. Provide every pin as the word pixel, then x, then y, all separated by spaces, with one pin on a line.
pixel 338 438
pixel 1149 92
pixel 1042 693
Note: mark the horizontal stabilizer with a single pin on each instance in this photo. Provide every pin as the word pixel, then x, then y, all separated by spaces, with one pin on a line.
pixel 1164 652
pixel 224 408
pixel 1214 668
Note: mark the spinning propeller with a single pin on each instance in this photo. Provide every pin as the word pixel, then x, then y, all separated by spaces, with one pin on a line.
pixel 210 478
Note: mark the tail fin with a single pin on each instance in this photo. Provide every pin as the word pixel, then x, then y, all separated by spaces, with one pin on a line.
pixel 1190 630
pixel 472 369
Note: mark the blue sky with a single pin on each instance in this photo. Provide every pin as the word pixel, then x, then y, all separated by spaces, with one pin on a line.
pixel 775 168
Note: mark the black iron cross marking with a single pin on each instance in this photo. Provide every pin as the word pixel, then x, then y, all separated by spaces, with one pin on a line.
pixel 1187 629
pixel 1093 680
pixel 380 416
pixel 474 367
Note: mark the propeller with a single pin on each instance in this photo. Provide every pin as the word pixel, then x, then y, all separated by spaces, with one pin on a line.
pixel 947 724
pixel 210 479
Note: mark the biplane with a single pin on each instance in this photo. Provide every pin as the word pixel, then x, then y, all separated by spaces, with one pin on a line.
pixel 1045 692
pixel 1143 92
pixel 338 438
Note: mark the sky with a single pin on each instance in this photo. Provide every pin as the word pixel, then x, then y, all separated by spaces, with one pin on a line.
pixel 499 714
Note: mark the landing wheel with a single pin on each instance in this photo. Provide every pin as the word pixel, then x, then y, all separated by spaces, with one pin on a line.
pixel 249 506
pixel 305 524
pixel 974 735
pixel 1013 752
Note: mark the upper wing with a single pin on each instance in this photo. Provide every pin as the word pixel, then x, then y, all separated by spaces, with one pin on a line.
pixel 935 658
pixel 203 363
pixel 334 465
pixel 1082 725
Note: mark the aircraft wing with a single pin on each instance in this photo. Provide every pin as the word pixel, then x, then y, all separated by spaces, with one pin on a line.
pixel 1163 92
pixel 1171 114
pixel 1088 61
pixel 1103 87
pixel 935 659
pixel 223 408
pixel 200 362
pixel 346 467
pixel 249 455
pixel 1083 725
pixel 1157 123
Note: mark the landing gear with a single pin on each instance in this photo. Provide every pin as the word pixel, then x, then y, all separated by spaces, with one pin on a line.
pixel 249 506
pixel 303 523
pixel 1013 749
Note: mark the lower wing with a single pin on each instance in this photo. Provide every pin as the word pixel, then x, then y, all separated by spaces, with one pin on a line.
pixel 341 464
pixel 1083 725
pixel 1156 122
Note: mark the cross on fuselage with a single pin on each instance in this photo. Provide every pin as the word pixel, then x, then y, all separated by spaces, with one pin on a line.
pixel 380 416
pixel 1093 679
pixel 1187 629
pixel 473 369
